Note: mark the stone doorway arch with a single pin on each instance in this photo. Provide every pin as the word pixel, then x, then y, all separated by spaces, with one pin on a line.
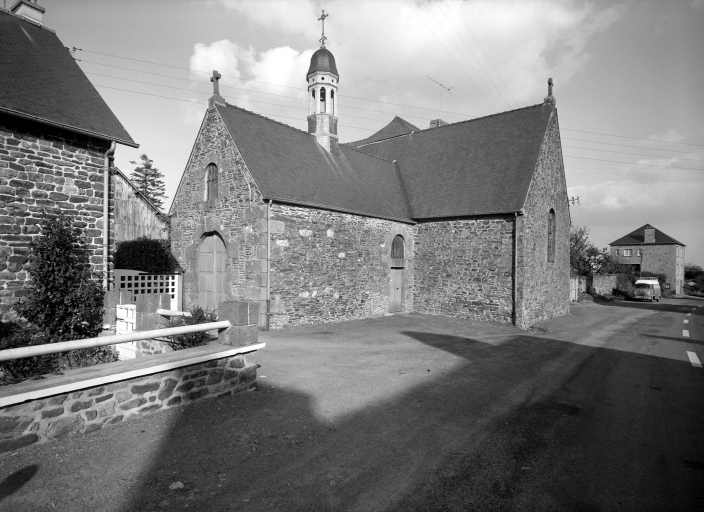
pixel 212 272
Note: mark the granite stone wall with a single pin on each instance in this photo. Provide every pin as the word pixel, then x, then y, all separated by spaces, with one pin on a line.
pixel 543 286
pixel 464 268
pixel 658 259
pixel 44 169
pixel 329 266
pixel 95 408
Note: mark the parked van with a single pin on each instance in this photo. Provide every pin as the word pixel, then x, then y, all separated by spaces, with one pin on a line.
pixel 648 289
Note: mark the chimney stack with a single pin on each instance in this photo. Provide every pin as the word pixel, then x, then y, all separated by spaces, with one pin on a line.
pixel 435 123
pixel 29 10
pixel 649 235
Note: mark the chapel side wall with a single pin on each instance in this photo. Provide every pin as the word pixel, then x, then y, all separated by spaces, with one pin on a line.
pixel 464 268
pixel 44 168
pixel 328 266
pixel 543 290
pixel 239 217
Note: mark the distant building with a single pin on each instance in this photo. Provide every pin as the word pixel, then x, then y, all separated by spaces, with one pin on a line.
pixel 468 220
pixel 648 249
pixel 57 135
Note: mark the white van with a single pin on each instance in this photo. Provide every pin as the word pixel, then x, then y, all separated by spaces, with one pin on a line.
pixel 647 288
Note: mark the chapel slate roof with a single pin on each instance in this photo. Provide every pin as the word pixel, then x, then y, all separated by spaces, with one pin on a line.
pixel 290 166
pixel 395 128
pixel 477 167
pixel 323 60
pixel 637 237
pixel 40 80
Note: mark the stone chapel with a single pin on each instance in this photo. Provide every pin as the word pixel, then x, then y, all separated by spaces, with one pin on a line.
pixel 466 219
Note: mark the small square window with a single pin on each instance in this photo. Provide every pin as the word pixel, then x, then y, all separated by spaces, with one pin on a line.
pixel 627 252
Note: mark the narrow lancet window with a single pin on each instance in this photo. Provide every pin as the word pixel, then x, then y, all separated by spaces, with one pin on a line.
pixel 551 235
pixel 322 100
pixel 211 185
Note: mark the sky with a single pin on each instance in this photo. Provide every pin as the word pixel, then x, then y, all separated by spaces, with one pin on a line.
pixel 628 82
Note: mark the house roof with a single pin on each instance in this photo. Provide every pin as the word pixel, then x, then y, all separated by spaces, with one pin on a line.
pixel 637 237
pixel 476 167
pixel 42 82
pixel 395 128
pixel 289 166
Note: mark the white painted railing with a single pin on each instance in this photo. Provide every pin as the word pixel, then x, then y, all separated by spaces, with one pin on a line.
pixel 170 312
pixel 102 341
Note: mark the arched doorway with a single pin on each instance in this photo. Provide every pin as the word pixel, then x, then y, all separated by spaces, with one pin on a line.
pixel 398 262
pixel 212 272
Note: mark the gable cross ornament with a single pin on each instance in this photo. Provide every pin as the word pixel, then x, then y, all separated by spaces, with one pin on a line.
pixel 216 85
pixel 323 39
pixel 215 99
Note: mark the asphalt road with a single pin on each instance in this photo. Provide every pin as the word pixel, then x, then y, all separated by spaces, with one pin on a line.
pixel 599 410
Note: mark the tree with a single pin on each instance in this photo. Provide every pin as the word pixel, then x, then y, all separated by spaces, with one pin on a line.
pixel 692 270
pixel 66 299
pixel 586 259
pixel 149 180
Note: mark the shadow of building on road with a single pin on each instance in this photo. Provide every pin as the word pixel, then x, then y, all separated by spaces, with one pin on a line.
pixel 16 480
pixel 489 433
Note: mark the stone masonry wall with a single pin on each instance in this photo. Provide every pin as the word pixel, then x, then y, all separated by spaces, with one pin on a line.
pixel 329 266
pixel 464 268
pixel 42 168
pixel 543 287
pixel 658 259
pixel 239 216
pixel 95 408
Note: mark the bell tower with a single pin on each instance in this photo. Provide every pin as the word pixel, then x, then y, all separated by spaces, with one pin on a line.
pixel 323 79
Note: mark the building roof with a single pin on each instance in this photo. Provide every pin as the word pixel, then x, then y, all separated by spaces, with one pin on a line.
pixel 323 60
pixel 637 237
pixel 41 81
pixel 290 166
pixel 476 167
pixel 395 128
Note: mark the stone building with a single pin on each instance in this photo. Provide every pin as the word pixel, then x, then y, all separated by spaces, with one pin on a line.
pixel 467 219
pixel 648 249
pixel 56 137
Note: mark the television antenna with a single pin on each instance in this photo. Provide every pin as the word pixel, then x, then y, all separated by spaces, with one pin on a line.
pixel 448 89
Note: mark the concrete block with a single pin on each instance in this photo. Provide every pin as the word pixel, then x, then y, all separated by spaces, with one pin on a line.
pixel 239 312
pixel 239 335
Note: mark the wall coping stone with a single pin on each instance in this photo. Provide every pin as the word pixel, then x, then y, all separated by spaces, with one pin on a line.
pixel 92 376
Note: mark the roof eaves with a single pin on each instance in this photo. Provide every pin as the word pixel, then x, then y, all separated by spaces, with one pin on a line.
pixel 333 209
pixel 83 131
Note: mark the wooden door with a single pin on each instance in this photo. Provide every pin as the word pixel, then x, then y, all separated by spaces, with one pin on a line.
pixel 396 292
pixel 212 273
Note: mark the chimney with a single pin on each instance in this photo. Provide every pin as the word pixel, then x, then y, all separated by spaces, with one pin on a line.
pixel 549 99
pixel 649 235
pixel 436 123
pixel 29 10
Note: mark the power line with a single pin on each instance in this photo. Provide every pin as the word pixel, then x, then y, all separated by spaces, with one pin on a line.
pixel 474 57
pixel 631 146
pixel 636 154
pixel 584 209
pixel 636 138
pixel 631 163
pixel 451 56
pixel 487 57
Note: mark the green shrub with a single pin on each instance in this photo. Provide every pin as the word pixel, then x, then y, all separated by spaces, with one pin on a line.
pixel 144 254
pixel 194 339
pixel 66 298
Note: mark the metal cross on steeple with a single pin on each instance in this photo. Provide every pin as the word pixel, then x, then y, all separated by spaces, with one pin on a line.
pixel 323 39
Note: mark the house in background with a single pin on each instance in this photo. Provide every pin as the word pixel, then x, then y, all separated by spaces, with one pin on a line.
pixel 468 220
pixel 648 249
pixel 57 136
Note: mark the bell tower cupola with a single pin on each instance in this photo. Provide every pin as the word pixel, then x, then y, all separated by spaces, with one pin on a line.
pixel 323 79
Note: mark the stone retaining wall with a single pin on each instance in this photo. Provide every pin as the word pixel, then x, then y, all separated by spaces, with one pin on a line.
pixel 94 408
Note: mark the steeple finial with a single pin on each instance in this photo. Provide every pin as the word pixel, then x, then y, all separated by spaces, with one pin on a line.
pixel 215 99
pixel 549 99
pixel 323 38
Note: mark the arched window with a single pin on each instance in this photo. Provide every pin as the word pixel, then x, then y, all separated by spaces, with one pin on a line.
pixel 397 252
pixel 551 235
pixel 332 102
pixel 322 100
pixel 211 185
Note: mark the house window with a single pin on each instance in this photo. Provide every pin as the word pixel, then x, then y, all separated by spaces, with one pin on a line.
pixel 616 252
pixel 639 253
pixel 551 235
pixel 627 252
pixel 211 185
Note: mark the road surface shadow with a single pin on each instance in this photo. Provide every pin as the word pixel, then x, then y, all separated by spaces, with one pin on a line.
pixel 16 480
pixel 656 306
pixel 670 338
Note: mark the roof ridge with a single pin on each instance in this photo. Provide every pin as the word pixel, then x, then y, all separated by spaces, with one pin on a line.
pixel 367 154
pixel 265 117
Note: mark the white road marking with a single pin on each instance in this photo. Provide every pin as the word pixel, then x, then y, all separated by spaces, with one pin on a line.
pixel 685 333
pixel 686 321
pixel 694 359
pixel 689 314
